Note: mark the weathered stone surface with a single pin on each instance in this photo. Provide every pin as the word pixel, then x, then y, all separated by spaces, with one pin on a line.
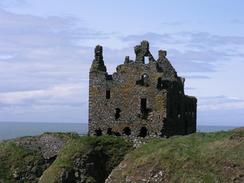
pixel 48 144
pixel 98 63
pixel 24 159
pixel 140 99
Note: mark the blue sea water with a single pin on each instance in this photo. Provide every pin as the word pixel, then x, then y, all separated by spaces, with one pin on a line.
pixel 10 130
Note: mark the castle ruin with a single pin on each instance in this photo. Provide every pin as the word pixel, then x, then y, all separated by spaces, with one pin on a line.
pixel 139 99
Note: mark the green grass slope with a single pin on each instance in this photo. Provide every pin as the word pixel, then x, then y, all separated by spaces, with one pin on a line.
pixel 200 157
pixel 19 163
pixel 87 159
pixel 15 160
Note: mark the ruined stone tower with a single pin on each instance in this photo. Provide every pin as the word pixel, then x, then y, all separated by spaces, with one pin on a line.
pixel 139 99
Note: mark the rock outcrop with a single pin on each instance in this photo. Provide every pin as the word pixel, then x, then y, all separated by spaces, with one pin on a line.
pixel 87 159
pixel 48 144
pixel 25 159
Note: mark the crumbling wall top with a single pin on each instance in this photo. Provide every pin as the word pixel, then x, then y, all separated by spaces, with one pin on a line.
pixel 142 51
pixel 98 63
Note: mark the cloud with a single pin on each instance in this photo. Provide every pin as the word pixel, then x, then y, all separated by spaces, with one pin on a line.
pixel 37 52
pixel 194 51
pixel 68 94
pixel 10 3
pixel 60 103
pixel 151 37
pixel 189 88
pixel 211 40
pixel 23 32
pixel 5 56
pixel 237 21
pixel 44 64
pixel 219 103
pixel 45 113
pixel 194 61
pixel 171 23
pixel 187 38
pixel 220 111
pixel 221 117
pixel 44 68
pixel 196 77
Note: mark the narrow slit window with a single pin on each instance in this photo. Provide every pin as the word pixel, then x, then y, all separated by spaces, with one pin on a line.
pixel 108 94
pixel 143 105
pixel 159 84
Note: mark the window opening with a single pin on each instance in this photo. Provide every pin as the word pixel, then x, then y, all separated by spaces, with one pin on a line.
pixel 143 132
pixel 107 94
pixel 117 113
pixel 109 131
pixel 127 131
pixel 98 132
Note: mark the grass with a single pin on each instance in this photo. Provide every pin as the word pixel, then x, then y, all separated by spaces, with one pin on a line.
pixel 64 135
pixel 200 157
pixel 104 151
pixel 14 157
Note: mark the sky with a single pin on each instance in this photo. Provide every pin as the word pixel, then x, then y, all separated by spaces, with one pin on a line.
pixel 46 50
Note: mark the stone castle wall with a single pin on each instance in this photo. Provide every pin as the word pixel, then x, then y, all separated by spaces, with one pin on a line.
pixel 140 98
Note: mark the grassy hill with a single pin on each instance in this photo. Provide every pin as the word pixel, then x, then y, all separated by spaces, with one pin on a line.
pixel 42 158
pixel 87 159
pixel 200 157
pixel 59 157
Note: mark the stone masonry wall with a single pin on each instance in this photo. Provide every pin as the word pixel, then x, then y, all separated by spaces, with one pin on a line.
pixel 140 98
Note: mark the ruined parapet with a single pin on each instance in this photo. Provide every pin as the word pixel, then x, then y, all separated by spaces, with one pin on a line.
pixel 98 63
pixel 162 55
pixel 127 60
pixel 164 66
pixel 142 51
pixel 139 99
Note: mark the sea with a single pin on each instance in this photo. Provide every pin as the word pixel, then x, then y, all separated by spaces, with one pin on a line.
pixel 10 130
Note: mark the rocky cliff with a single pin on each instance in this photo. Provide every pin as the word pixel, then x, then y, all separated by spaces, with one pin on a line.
pixel 69 158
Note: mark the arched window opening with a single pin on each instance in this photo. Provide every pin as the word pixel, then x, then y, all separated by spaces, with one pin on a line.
pixel 143 132
pixel 98 132
pixel 144 76
pixel 144 81
pixel 117 113
pixel 127 131
pixel 109 131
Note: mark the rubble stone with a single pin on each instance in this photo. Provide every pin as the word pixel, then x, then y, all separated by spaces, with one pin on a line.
pixel 139 99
